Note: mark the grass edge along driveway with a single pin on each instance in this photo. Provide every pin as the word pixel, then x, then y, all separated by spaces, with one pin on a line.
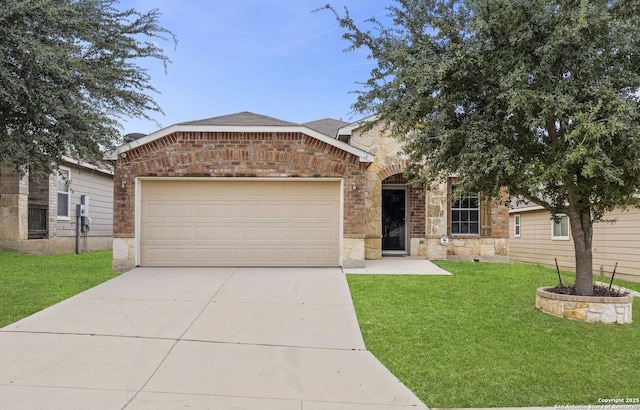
pixel 30 283
pixel 475 339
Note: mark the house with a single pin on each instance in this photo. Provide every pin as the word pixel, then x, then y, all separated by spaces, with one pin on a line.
pixel 251 190
pixel 537 238
pixel 39 215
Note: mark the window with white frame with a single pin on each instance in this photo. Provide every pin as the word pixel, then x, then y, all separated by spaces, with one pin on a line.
pixel 465 213
pixel 516 225
pixel 64 194
pixel 560 227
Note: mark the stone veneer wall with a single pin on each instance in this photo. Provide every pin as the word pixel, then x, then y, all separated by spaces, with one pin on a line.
pixel 14 206
pixel 387 163
pixel 226 154
pixel 58 245
pixel 492 247
pixel 429 209
pixel 589 309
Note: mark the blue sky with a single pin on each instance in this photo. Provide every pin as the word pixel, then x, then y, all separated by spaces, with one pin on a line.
pixel 271 57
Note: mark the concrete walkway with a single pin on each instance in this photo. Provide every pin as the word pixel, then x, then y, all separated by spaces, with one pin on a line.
pixel 209 338
pixel 399 265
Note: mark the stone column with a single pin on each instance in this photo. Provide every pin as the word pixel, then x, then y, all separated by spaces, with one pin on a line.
pixel 437 221
pixel 14 205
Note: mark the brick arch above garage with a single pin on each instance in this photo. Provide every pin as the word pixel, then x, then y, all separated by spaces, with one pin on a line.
pixel 237 154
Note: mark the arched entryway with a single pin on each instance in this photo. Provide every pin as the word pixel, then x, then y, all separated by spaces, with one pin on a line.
pixel 403 217
pixel 401 230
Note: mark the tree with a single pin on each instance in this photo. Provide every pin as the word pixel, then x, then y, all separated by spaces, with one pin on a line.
pixel 68 75
pixel 540 96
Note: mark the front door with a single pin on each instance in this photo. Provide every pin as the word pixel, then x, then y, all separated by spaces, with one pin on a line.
pixel 394 215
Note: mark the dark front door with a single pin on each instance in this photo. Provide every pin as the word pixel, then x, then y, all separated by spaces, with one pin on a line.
pixel 394 211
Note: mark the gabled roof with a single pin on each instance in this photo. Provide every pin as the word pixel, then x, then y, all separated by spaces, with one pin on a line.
pixel 241 122
pixel 241 119
pixel 327 126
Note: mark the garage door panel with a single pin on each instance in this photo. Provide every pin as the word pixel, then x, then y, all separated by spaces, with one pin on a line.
pixel 312 256
pixel 322 191
pixel 313 234
pixel 167 189
pixel 262 233
pixel 168 256
pixel 240 223
pixel 327 211
pixel 220 190
pixel 160 210
pixel 260 190
pixel 215 210
pixel 217 233
pixel 265 256
pixel 222 255
pixel 265 210
pixel 164 233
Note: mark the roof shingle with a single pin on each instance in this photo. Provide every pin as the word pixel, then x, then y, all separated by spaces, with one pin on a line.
pixel 327 126
pixel 241 119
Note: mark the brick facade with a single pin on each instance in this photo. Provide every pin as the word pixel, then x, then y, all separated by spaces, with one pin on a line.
pixel 237 154
pixel 499 219
pixel 371 160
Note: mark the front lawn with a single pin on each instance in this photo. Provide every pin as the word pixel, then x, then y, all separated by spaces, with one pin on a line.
pixel 475 339
pixel 29 283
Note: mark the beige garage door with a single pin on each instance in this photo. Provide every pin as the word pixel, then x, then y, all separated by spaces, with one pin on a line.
pixel 239 223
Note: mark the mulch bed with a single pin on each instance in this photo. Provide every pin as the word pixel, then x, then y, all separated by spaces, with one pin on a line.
pixel 598 290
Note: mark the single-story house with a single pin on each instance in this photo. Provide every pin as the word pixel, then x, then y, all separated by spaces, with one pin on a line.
pixel 39 215
pixel 537 238
pixel 247 189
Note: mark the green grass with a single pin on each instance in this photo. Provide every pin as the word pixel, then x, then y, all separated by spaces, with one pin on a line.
pixel 475 339
pixel 30 283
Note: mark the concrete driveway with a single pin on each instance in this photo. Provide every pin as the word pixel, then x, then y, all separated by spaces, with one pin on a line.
pixel 201 338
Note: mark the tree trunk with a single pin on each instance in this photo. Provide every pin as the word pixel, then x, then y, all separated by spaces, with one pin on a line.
pixel 582 234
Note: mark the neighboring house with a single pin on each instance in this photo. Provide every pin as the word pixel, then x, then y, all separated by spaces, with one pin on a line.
pixel 536 238
pixel 251 190
pixel 39 216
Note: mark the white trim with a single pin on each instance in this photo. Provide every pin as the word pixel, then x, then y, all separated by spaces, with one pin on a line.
pixel 450 214
pixel 553 223
pixel 68 192
pixel 121 151
pixel 138 202
pixel 87 165
pixel 526 208
pixel 517 232
pixel 348 129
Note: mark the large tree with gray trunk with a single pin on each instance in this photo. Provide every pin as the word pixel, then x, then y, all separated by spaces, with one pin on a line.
pixel 540 96
pixel 68 74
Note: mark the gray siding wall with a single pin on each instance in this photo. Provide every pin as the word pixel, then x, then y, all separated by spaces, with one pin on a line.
pixel 617 242
pixel 99 187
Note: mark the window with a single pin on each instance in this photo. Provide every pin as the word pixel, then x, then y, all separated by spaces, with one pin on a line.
pixel 516 226
pixel 64 197
pixel 465 213
pixel 560 227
